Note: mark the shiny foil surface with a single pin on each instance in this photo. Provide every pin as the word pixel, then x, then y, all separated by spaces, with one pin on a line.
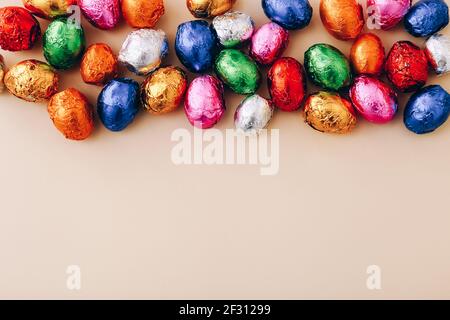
pixel 374 99
pixel 238 71
pixel 99 64
pixel 49 9
pixel 142 13
pixel 407 66
pixel 386 14
pixel 367 55
pixel 290 14
pixel 327 67
pixel 103 14
pixel 2 73
pixel 329 113
pixel 196 45
pixel 118 103
pixel 437 50
pixel 287 84
pixel 344 19
pixel 32 80
pixel 233 28
pixel 427 110
pixel 204 103
pixel 268 43
pixel 163 91
pixel 209 8
pixel 144 50
pixel 19 30
pixel 253 114
pixel 64 43
pixel 71 114
pixel 426 17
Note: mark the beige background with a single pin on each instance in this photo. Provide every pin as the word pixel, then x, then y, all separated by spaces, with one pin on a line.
pixel 141 227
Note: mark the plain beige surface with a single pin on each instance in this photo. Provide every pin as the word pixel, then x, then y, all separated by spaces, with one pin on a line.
pixel 141 227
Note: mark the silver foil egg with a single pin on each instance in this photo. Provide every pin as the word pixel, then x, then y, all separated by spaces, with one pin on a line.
pixel 233 28
pixel 437 49
pixel 253 114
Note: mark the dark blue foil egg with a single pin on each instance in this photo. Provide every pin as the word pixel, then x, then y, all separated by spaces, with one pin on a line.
pixel 426 17
pixel 196 45
pixel 290 14
pixel 427 110
pixel 118 103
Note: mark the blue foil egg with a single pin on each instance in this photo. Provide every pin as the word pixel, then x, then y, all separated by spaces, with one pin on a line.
pixel 426 17
pixel 196 45
pixel 118 103
pixel 427 110
pixel 290 14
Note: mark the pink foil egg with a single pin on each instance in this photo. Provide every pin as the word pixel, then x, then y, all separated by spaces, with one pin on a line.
pixel 103 14
pixel 269 43
pixel 374 99
pixel 204 102
pixel 386 14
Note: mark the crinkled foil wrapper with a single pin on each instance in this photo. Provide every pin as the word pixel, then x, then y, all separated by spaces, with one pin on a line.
pixel 253 114
pixel 437 49
pixel 209 8
pixel 233 28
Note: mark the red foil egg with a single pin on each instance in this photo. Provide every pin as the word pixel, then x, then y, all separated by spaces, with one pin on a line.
pixel 287 84
pixel 407 66
pixel 343 19
pixel 367 55
pixel 269 43
pixel 19 30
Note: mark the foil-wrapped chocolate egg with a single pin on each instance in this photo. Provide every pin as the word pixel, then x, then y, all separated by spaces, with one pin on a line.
pixel 238 71
pixel 367 55
pixel 2 73
pixel 344 19
pixel 287 84
pixel 64 43
pixel 327 67
pixel 330 113
pixel 99 64
pixel 268 43
pixel 49 9
pixel 118 103
pixel 103 14
pixel 209 8
pixel 374 99
pixel 143 51
pixel 426 17
pixel 142 13
pixel 233 28
pixel 253 114
pixel 386 14
pixel 196 45
pixel 32 80
pixel 71 114
pixel 163 91
pixel 437 50
pixel 427 110
pixel 290 14
pixel 204 102
pixel 19 30
pixel 406 66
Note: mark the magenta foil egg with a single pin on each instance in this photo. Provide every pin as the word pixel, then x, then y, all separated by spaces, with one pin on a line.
pixel 269 43
pixel 386 14
pixel 204 102
pixel 103 14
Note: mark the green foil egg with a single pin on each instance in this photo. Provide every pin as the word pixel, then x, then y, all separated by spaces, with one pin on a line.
pixel 327 67
pixel 64 43
pixel 238 71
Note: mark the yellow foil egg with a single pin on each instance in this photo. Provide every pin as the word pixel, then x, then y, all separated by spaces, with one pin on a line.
pixel 163 91
pixel 49 9
pixel 32 80
pixel 2 73
pixel 209 8
pixel 330 113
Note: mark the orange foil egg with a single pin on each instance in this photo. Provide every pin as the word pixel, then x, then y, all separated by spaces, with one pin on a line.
pixel 142 13
pixel 367 55
pixel 71 114
pixel 209 8
pixel 99 64
pixel 343 19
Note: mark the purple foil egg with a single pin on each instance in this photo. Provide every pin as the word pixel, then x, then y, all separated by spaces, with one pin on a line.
pixel 204 102
pixel 269 43
pixel 386 14
pixel 103 14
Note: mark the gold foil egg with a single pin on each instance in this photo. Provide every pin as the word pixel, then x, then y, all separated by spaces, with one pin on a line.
pixel 330 113
pixel 142 13
pixel 71 114
pixel 209 8
pixel 163 91
pixel 2 73
pixel 49 9
pixel 32 80
pixel 344 19
pixel 99 64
